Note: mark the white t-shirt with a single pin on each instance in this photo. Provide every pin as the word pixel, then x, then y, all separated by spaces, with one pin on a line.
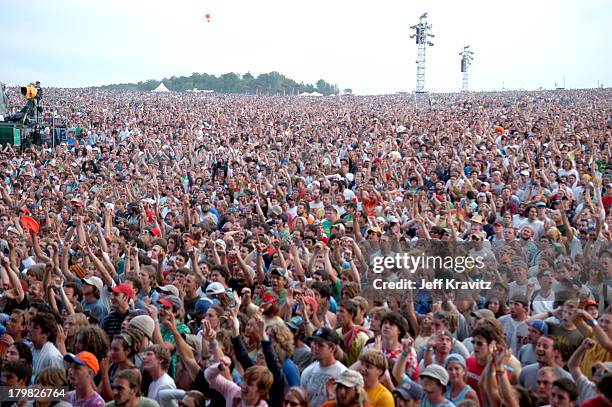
pixel 314 378
pixel 163 383
pixel 45 357
pixel 516 333
pixel 541 304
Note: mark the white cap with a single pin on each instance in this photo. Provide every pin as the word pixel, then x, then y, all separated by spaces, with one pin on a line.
pixel 95 281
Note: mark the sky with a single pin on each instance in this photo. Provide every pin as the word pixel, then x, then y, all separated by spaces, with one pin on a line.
pixel 362 45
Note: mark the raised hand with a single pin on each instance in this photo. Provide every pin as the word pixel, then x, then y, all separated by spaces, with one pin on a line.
pixel 60 337
pixel 407 344
pixel 330 386
pixel 209 333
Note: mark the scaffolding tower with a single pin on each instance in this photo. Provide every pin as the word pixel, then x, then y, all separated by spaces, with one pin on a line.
pixel 467 55
pixel 422 33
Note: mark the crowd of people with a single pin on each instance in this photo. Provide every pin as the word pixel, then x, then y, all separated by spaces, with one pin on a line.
pixel 220 250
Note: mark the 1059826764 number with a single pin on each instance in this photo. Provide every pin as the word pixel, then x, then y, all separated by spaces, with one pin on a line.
pixel 33 393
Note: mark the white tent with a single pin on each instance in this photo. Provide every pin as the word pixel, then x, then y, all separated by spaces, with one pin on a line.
pixel 316 94
pixel 304 94
pixel 161 88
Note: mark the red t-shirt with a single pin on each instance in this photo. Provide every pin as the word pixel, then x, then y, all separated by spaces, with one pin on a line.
pixel 597 401
pixel 472 375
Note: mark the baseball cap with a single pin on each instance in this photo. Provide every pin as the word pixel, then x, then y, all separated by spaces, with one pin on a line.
pixel 325 335
pixel 447 333
pixel 350 378
pixel 409 391
pixel 215 289
pixel 375 230
pixel 95 281
pixel 124 289
pixel 436 372
pixel 171 301
pixel 203 304
pixel 295 323
pixel 220 243
pixel 312 302
pixel 483 314
pixel 84 359
pixel 168 289
pixel 540 203
pixel 590 303
pixel 540 326
pixel 520 298
pixel 281 272
pixel 454 358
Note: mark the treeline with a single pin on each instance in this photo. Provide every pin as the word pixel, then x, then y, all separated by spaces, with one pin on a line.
pixel 272 83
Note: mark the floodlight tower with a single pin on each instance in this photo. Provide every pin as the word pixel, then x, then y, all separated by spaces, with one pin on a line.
pixel 467 55
pixel 421 34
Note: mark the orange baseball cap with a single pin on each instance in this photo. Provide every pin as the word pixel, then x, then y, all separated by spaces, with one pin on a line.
pixel 84 359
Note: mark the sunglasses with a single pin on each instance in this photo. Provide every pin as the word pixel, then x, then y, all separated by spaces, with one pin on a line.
pixel 478 343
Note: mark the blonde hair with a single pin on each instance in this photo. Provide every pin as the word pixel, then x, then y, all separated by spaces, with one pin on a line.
pixel 79 319
pixel 52 377
pixel 376 358
pixel 283 340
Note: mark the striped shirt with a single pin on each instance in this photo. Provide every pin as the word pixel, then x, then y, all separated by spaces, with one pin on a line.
pixel 112 323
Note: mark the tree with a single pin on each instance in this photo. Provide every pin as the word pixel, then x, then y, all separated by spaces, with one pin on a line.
pixel 271 82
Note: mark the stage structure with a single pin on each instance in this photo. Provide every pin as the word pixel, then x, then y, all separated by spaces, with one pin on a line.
pixel 422 35
pixel 467 56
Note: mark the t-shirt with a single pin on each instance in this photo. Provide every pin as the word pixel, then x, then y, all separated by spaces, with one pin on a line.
pixel 142 402
pixel 291 372
pixel 95 400
pixel 586 389
pixel 516 332
pixel 163 383
pixel 352 354
pixel 445 403
pixel 302 357
pixel 596 354
pixel 314 378
pixel 527 355
pixel 541 303
pixel 47 356
pixel 595 402
pixel 97 308
pixel 379 396
pixel 473 372
pixel 564 336
pixel 529 375
pixel 112 323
